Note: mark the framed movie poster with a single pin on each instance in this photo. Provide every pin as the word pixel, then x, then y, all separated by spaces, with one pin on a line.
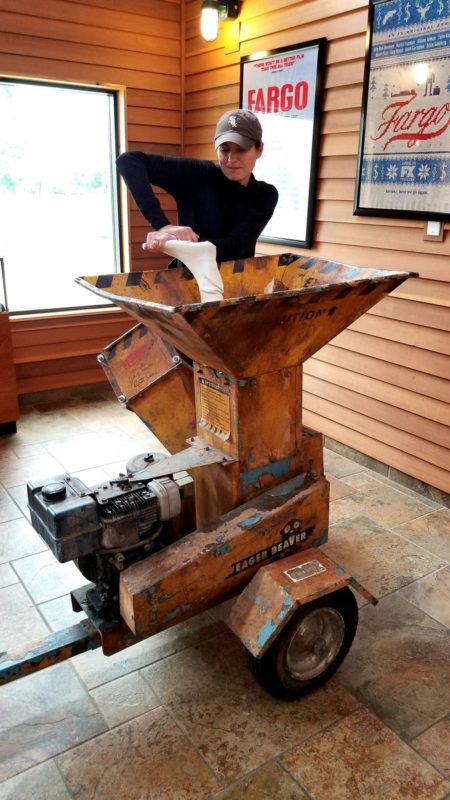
pixel 283 87
pixel 404 151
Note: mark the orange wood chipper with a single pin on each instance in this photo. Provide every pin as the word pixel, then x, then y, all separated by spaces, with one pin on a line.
pixel 239 506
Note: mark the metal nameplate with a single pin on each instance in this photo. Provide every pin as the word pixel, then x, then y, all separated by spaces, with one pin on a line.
pixel 306 570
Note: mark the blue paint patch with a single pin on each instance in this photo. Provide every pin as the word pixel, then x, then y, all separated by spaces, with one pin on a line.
pixel 290 486
pixel 177 611
pixel 278 469
pixel 265 633
pixel 250 521
pixel 340 570
pixel 286 605
pixel 263 603
pixel 224 548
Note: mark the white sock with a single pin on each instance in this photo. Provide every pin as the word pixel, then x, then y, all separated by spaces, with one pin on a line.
pixel 200 258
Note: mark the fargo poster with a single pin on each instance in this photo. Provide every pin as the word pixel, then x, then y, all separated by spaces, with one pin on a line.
pixel 283 89
pixel 404 158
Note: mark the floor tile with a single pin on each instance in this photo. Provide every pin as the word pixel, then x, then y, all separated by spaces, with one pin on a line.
pixel 234 723
pixel 370 480
pixel 96 449
pixel 30 469
pixel 8 509
pixel 144 759
pixel 38 783
pixel 7 575
pixel 91 477
pixel 338 465
pixel 399 666
pixel 20 622
pixel 19 495
pixel 431 594
pixel 17 448
pixel 39 426
pixel 46 578
pixel 42 715
pixel 95 416
pixel 124 699
pixel 386 506
pixel 379 559
pixel 362 481
pixel 338 488
pixel 434 745
pixel 359 757
pixel 18 539
pixel 270 782
pixel 58 613
pixel 431 531
pixel 95 669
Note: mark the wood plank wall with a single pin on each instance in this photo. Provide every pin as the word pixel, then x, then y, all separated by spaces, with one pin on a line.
pixel 133 44
pixel 381 387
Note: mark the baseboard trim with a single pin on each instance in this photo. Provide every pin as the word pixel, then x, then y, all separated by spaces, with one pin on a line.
pixel 408 481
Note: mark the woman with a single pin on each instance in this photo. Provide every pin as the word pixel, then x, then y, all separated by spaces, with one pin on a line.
pixel 221 203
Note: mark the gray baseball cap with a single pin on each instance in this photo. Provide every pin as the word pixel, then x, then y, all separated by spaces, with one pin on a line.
pixel 238 126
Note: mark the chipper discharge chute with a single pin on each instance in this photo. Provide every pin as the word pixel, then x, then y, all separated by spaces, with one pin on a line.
pixel 253 473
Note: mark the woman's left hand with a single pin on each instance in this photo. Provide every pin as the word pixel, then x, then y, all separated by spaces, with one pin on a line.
pixel 156 240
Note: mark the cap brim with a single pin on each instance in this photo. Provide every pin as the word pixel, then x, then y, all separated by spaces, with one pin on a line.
pixel 236 138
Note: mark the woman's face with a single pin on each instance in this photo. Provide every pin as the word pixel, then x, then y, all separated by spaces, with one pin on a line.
pixel 236 163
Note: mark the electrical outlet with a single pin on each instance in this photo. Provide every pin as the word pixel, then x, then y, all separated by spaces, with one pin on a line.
pixel 433 231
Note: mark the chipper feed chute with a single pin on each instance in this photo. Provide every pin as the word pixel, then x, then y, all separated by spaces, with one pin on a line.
pixel 276 312
pixel 261 497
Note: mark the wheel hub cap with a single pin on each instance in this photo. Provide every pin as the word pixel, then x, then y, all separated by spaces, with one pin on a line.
pixel 315 643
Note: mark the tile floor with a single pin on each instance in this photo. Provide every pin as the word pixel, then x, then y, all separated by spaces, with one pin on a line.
pixel 179 717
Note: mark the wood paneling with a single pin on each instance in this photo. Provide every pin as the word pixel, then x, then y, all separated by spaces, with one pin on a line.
pixel 52 352
pixel 9 409
pixel 134 45
pixel 382 386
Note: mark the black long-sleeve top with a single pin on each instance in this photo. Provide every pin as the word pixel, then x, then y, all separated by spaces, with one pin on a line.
pixel 220 210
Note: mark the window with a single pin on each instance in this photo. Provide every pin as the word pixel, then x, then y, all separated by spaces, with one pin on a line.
pixel 58 193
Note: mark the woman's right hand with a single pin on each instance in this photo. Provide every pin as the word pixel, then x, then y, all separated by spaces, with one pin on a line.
pixel 156 240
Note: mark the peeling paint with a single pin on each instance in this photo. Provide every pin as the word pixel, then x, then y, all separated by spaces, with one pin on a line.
pixel 287 488
pixel 224 548
pixel 285 607
pixel 265 633
pixel 250 521
pixel 177 611
pixel 278 470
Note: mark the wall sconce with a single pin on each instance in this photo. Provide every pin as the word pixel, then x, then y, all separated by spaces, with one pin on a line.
pixel 213 11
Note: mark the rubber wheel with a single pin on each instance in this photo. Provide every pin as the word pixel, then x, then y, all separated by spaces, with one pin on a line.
pixel 310 647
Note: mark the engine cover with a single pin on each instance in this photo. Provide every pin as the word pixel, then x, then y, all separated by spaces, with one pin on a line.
pixel 76 520
pixel 65 516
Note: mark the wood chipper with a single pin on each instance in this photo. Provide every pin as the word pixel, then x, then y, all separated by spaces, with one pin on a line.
pixel 239 506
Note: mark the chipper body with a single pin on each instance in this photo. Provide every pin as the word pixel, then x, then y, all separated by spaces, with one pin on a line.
pixel 238 507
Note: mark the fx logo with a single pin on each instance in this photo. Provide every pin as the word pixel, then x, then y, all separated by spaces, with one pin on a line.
pixel 407 171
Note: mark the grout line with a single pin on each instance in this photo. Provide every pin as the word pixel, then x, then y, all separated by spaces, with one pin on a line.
pixel 292 777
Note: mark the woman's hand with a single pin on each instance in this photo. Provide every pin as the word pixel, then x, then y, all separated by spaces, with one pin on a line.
pixel 156 240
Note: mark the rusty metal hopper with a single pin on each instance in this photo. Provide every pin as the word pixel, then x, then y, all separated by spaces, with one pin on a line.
pixel 149 377
pixel 277 310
